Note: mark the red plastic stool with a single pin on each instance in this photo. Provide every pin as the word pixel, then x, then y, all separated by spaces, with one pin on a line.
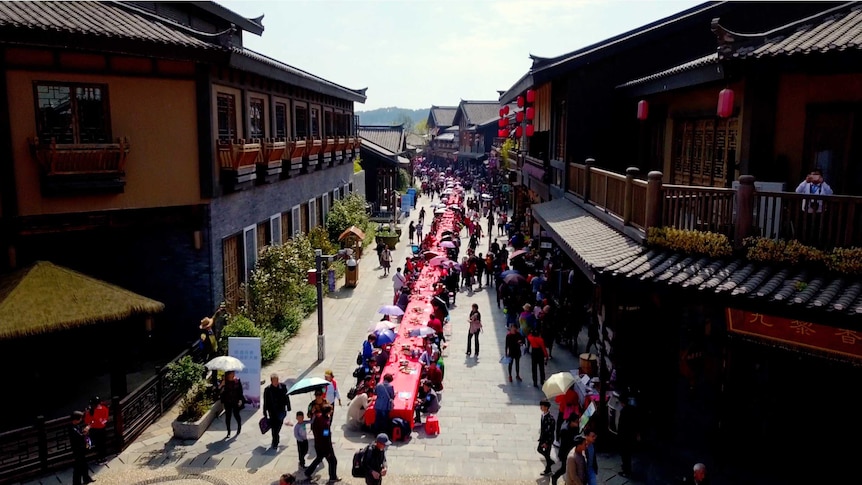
pixel 432 424
pixel 396 433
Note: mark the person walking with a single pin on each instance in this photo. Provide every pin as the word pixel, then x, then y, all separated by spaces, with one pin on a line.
pixel 383 402
pixel 567 442
pixel 576 467
pixel 627 432
pixel 375 461
pixel 79 442
pixel 300 433
pixel 590 455
pixel 321 428
pixel 398 282
pixel 386 259
pixel 276 404
pixel 96 418
pixel 475 320
pixel 514 340
pixel 411 231
pixel 232 398
pixel 547 426
pixel 538 356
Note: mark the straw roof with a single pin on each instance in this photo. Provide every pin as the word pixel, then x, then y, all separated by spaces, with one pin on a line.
pixel 352 230
pixel 44 298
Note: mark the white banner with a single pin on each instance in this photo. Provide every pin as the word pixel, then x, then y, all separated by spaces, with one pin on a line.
pixel 247 350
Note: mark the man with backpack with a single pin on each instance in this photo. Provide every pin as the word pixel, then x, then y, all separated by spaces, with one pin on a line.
pixel 375 460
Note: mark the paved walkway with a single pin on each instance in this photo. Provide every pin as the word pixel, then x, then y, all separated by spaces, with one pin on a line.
pixel 489 426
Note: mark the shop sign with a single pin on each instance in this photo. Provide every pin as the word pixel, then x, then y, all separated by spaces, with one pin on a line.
pixel 796 332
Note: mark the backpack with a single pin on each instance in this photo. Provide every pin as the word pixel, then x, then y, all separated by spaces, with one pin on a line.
pixel 359 467
pixel 404 426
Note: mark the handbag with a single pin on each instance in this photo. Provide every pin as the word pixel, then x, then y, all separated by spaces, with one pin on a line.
pixel 264 425
pixel 359 358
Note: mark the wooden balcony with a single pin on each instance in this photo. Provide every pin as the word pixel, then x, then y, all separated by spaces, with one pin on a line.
pixel 340 146
pixel 269 167
pixel 81 168
pixel 329 144
pixel 293 162
pixel 632 204
pixel 238 160
pixel 315 146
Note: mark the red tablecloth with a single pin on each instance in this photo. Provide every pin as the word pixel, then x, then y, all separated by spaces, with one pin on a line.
pixel 419 310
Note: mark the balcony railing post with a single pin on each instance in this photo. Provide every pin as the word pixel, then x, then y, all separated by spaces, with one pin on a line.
pixel 653 199
pixel 631 175
pixel 588 168
pixel 117 409
pixel 42 437
pixel 744 209
pixel 160 390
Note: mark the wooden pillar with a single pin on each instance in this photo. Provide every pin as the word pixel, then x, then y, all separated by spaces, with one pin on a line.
pixel 119 432
pixel 653 199
pixel 587 176
pixel 744 209
pixel 631 175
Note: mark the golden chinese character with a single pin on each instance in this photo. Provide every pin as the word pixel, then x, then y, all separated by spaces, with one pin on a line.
pixel 802 328
pixel 848 336
pixel 759 318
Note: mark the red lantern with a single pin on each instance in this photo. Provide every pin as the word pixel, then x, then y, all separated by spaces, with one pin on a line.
pixel 520 101
pixel 500 133
pixel 502 122
pixel 505 133
pixel 643 109
pixel 518 132
pixel 506 109
pixel 502 113
pixel 519 116
pixel 531 96
pixel 530 130
pixel 725 103
pixel 531 113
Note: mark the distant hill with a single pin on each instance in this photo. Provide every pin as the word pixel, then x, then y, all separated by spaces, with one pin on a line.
pixel 392 116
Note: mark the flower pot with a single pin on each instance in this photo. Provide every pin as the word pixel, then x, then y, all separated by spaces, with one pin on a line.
pixel 194 430
pixel 390 241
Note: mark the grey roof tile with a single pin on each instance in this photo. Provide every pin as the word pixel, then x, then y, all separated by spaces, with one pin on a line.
pixel 478 112
pixel 102 19
pixel 392 138
pixel 443 116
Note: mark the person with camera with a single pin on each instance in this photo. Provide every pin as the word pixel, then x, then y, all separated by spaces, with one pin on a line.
pixel 814 184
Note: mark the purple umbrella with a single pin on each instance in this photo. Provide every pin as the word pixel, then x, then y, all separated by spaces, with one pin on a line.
pixel 384 337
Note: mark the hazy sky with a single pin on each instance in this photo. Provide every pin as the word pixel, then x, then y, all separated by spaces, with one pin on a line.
pixel 415 53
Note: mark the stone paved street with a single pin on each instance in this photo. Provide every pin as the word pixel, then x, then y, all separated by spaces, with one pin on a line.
pixel 489 426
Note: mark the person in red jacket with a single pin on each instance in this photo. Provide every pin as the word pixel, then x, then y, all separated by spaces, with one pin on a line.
pixel 96 417
pixel 538 354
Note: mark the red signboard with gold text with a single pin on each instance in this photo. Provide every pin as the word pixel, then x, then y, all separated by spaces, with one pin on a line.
pixel 796 332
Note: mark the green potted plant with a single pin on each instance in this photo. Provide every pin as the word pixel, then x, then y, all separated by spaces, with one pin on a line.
pixel 387 236
pixel 197 409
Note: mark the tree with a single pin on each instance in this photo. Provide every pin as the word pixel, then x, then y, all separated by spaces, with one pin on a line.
pixel 421 128
pixel 406 120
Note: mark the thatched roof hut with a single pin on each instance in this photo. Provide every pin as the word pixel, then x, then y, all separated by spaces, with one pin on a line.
pixel 45 298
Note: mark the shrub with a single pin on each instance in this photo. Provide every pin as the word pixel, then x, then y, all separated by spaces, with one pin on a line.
pixel 308 299
pixel 692 242
pixel 346 212
pixel 271 341
pixel 195 403
pixel 291 321
pixel 319 238
pixel 403 179
pixel 186 376
pixel 238 326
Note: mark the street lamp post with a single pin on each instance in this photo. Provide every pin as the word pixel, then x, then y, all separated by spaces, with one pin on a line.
pixel 321 340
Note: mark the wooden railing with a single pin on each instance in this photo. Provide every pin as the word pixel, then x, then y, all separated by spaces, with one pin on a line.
pixel 44 447
pixel 341 144
pixel 235 154
pixel 822 221
pixel 315 145
pixel 274 149
pixel 80 158
pixel 329 144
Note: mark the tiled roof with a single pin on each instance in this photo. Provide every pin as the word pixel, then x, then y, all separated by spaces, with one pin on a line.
pixel 836 29
pixel 592 243
pixel 295 75
pixel 416 140
pixel 101 19
pixel 688 66
pixel 443 115
pixel 389 137
pixel 788 287
pixel 479 111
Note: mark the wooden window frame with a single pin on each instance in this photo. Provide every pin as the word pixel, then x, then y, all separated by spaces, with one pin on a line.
pixel 697 144
pixel 74 122
pixel 297 106
pixel 245 260
pixel 324 207
pixel 315 128
pixel 264 115
pixel 296 220
pixel 287 117
pixel 237 98
pixel 275 233
pixel 312 213
pixel 231 256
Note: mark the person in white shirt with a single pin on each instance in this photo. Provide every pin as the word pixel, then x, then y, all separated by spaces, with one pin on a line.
pixel 398 282
pixel 332 393
pixel 356 411
pixel 814 184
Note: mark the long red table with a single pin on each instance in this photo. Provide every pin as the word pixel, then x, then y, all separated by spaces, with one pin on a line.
pixel 406 369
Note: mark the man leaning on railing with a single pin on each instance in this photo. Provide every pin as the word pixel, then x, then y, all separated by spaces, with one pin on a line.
pixel 814 184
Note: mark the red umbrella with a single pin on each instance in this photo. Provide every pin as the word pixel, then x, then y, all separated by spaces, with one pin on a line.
pixel 517 253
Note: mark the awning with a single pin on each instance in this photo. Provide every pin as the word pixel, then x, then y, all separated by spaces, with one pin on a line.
pixel 589 242
pixel 403 161
pixel 352 230
pixel 44 298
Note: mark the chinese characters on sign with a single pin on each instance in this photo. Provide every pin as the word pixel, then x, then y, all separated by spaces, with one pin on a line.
pixel 796 332
pixel 247 349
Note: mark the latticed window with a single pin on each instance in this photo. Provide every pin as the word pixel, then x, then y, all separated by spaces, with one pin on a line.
pixel 301 121
pixel 231 258
pixel 704 151
pixel 72 113
pixel 256 118
pixel 226 116
pixel 315 122
pixel 280 120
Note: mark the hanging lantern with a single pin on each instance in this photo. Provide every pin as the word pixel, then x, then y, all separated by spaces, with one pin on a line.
pixel 531 113
pixel 519 116
pixel 520 101
pixel 506 109
pixel 518 132
pixel 643 109
pixel 725 103
pixel 531 96
pixel 502 123
pixel 505 133
pixel 530 130
pixel 500 134
pixel 501 113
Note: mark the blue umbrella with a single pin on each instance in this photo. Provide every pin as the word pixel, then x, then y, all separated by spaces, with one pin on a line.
pixel 307 385
pixel 384 337
pixel 422 332
pixel 507 273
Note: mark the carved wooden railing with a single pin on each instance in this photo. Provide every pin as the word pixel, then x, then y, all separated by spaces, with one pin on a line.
pixel 315 146
pixel 340 143
pixel 80 158
pixel 822 221
pixel 235 155
pixel 328 144
pixel 274 149
pixel 296 148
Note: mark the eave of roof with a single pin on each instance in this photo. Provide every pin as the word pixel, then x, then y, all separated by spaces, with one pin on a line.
pixel 255 26
pixel 521 85
pixel 251 61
